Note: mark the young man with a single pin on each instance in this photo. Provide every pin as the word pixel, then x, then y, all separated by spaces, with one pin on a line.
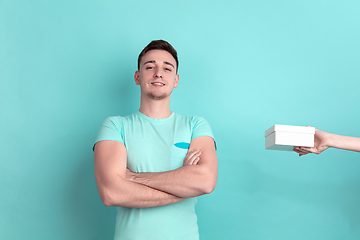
pixel 324 140
pixel 153 163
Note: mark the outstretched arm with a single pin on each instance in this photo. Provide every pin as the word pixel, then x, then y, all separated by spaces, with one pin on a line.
pixel 114 189
pixel 324 140
pixel 198 176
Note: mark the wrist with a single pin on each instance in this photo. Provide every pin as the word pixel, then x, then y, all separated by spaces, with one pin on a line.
pixel 332 140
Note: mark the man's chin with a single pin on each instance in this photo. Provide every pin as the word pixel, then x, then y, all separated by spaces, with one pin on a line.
pixel 157 97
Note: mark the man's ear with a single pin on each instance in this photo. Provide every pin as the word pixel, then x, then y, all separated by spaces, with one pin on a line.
pixel 137 78
pixel 176 81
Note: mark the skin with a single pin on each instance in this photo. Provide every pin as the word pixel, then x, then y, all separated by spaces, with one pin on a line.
pixel 118 186
pixel 324 140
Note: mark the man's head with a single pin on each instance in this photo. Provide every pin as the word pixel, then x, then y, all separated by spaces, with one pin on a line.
pixel 157 70
pixel 159 45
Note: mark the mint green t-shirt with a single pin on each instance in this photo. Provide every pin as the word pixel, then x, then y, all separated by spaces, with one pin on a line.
pixel 155 145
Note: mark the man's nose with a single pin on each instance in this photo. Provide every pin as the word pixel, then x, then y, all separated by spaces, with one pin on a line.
pixel 158 73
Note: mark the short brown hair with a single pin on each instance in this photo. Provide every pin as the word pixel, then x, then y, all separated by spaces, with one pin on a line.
pixel 159 45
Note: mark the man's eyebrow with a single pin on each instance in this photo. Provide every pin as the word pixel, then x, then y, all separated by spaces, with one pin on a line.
pixel 169 64
pixel 152 61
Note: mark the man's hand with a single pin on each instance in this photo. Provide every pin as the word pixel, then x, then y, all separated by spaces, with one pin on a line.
pixel 322 141
pixel 192 157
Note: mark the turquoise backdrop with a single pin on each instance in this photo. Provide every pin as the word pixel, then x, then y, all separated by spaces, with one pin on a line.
pixel 244 65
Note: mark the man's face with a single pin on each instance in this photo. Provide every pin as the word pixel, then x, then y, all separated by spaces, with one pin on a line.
pixel 157 75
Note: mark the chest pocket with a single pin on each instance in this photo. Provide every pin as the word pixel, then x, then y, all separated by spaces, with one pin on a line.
pixel 178 154
pixel 161 148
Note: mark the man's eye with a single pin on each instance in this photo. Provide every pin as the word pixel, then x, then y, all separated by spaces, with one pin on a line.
pixel 149 67
pixel 167 69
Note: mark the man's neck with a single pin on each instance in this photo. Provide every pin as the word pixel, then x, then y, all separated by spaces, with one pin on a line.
pixel 158 109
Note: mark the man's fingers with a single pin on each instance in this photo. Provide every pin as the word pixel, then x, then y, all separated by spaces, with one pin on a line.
pixel 190 162
pixel 193 153
pixel 196 161
pixel 196 155
pixel 192 157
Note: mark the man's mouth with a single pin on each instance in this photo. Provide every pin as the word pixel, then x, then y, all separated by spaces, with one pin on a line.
pixel 158 84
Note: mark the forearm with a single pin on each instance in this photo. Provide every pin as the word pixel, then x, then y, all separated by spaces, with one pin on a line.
pixel 184 182
pixel 114 189
pixel 135 195
pixel 344 142
pixel 198 176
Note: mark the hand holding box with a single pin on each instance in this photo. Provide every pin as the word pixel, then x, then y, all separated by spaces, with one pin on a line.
pixel 286 137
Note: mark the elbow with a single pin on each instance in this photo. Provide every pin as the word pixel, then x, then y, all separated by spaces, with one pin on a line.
pixel 107 202
pixel 209 181
pixel 208 188
pixel 112 196
pixel 113 199
pixel 208 185
pixel 106 198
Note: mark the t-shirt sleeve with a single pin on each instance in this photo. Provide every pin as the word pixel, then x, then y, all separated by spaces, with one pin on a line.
pixel 201 128
pixel 111 129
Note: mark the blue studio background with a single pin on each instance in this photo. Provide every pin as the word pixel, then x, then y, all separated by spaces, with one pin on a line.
pixel 244 65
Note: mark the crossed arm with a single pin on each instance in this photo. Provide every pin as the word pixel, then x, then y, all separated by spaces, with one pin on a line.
pixel 324 140
pixel 197 177
pixel 118 186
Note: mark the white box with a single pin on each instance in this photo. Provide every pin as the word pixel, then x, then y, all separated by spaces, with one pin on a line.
pixel 286 137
